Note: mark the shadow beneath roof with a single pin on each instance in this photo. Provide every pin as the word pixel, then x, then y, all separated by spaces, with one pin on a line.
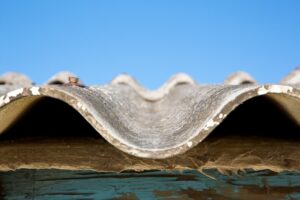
pixel 258 117
pixel 259 134
pixel 50 118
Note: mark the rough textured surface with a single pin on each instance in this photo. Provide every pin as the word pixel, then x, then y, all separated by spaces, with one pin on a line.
pixel 160 185
pixel 227 155
pixel 150 124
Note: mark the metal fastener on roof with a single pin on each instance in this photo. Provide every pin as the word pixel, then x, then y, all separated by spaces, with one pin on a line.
pixel 73 81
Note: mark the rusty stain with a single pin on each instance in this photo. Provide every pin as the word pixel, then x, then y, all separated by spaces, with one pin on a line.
pixel 73 81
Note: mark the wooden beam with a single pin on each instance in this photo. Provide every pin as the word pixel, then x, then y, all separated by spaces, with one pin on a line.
pixel 189 184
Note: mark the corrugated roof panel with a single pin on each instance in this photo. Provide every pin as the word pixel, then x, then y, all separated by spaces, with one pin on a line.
pixel 150 124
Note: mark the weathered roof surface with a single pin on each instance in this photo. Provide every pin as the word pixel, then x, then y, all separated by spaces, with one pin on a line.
pixel 149 124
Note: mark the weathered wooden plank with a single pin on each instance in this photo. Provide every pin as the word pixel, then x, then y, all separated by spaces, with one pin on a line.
pixel 62 184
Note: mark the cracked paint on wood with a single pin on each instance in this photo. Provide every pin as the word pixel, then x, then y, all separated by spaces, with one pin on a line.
pixel 189 184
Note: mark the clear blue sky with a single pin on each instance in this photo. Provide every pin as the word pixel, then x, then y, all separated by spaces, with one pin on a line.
pixel 150 40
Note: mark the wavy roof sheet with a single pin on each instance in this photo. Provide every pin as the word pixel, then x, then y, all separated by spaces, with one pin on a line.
pixel 149 124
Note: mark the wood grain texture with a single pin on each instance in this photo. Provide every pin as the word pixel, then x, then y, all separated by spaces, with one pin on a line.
pixel 60 184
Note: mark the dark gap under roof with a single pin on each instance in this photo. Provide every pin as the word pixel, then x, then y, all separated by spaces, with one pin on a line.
pixel 261 117
pixel 50 118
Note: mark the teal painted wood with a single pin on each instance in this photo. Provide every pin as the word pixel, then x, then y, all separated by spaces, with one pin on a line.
pixel 62 184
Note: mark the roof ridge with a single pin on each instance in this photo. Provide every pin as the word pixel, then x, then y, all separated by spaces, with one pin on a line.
pixel 292 78
pixel 239 78
pixel 153 95
pixel 62 77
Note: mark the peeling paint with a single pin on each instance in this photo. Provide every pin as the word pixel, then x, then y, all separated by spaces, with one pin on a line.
pixel 274 89
pixel 61 184
pixel 280 89
pixel 262 91
pixel 81 106
pixel 211 123
pixel 15 92
pixel 5 99
pixel 35 90
pixel 2 102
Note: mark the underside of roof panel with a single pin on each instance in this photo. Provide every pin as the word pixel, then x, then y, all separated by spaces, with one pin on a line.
pixel 168 124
